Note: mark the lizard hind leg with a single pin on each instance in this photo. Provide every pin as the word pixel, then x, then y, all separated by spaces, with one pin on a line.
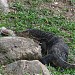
pixel 46 60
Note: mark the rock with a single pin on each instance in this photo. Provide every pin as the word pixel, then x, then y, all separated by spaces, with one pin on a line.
pixel 24 67
pixel 14 48
pixel 4 6
pixel 6 32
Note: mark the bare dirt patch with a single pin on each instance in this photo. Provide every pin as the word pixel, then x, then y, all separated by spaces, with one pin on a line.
pixel 60 8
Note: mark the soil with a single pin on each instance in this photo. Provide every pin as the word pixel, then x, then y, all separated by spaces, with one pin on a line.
pixel 66 9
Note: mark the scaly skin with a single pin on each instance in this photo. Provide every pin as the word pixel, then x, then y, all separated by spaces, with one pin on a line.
pixel 53 47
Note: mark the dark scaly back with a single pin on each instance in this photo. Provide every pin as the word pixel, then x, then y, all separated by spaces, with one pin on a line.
pixel 42 35
pixel 47 37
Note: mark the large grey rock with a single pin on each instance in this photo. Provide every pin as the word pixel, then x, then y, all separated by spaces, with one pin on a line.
pixel 24 67
pixel 14 48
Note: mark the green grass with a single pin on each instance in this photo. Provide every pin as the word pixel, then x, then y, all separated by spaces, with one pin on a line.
pixel 73 1
pixel 41 19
